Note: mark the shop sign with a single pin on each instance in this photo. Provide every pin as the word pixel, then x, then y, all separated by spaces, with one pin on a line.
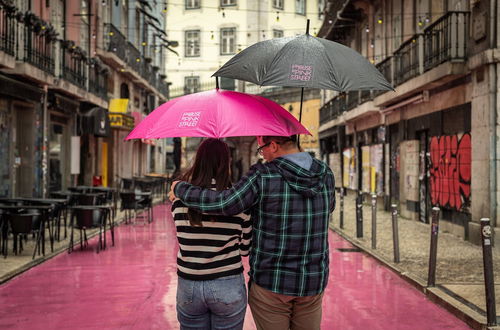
pixel 121 120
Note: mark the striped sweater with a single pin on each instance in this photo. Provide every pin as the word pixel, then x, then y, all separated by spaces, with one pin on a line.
pixel 213 250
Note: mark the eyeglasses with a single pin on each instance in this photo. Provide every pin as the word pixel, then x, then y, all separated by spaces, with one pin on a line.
pixel 259 149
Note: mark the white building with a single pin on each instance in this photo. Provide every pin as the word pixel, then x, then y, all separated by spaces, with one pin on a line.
pixel 210 32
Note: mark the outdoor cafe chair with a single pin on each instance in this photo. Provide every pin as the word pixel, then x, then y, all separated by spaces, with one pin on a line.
pixel 82 218
pixel 20 226
pixel 133 201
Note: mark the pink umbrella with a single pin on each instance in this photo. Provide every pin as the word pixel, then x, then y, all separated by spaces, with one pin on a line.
pixel 217 113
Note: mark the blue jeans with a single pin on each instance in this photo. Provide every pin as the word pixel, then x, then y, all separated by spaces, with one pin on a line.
pixel 213 304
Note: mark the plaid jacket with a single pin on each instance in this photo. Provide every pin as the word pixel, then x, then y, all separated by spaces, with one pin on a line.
pixel 290 209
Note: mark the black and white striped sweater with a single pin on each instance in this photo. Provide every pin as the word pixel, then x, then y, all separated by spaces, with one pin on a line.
pixel 213 250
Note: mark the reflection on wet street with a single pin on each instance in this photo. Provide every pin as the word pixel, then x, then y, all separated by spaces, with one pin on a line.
pixel 133 285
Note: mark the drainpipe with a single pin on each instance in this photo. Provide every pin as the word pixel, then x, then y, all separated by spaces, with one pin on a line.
pixel 493 115
pixel 45 142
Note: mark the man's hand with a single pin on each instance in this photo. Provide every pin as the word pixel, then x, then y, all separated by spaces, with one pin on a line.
pixel 171 194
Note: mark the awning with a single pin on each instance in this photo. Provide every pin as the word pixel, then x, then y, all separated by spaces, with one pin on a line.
pixel 20 90
pixel 96 122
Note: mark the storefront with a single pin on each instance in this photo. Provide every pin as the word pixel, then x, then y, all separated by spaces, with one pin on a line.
pixel 95 132
pixel 121 167
pixel 21 139
pixel 62 118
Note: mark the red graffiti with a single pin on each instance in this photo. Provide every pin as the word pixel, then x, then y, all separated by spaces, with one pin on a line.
pixel 450 170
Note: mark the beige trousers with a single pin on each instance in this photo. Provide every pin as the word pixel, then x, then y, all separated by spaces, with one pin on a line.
pixel 274 311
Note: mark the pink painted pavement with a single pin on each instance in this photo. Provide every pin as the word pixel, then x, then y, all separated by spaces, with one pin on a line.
pixel 133 284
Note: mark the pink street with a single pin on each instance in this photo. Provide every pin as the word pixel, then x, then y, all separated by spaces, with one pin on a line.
pixel 133 286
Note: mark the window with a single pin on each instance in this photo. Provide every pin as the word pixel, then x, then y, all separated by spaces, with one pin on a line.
pixel 191 84
pixel 278 4
pixel 192 4
pixel 277 33
pixel 225 3
pixel 192 43
pixel 300 7
pixel 228 41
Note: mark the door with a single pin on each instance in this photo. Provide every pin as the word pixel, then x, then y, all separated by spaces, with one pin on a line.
pixel 423 177
pixel 24 150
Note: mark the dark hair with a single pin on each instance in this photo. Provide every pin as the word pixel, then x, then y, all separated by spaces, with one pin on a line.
pixel 279 139
pixel 211 162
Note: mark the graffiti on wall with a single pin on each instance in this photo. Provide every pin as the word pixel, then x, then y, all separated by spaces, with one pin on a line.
pixel 450 170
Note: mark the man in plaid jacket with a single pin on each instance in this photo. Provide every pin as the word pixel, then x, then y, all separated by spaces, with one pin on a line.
pixel 290 198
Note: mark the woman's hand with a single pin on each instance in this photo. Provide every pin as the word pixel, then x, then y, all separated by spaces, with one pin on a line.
pixel 171 194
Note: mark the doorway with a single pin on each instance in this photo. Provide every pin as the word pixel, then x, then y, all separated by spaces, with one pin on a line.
pixel 24 150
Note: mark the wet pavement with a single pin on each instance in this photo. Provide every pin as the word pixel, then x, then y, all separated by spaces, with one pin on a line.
pixel 132 285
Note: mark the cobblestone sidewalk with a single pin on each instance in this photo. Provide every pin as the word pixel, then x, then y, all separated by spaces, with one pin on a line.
pixel 459 272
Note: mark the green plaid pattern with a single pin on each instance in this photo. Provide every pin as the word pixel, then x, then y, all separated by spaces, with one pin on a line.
pixel 290 208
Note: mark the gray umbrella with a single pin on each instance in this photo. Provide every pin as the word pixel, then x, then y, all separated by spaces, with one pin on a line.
pixel 304 61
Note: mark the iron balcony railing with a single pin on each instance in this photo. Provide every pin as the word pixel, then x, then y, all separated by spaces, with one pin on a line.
pixel 98 80
pixel 39 48
pixel 163 88
pixel 73 64
pixel 180 91
pixel 407 60
pixel 446 39
pixel 332 109
pixel 385 67
pixel 352 99
pixel 8 29
pixel 117 41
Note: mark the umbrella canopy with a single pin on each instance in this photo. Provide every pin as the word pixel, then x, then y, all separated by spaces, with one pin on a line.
pixel 218 113
pixel 304 61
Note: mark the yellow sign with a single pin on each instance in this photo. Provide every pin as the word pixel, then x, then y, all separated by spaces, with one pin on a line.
pixel 104 164
pixel 118 105
pixel 121 120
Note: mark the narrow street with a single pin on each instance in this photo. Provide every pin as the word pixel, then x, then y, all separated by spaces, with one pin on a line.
pixel 133 286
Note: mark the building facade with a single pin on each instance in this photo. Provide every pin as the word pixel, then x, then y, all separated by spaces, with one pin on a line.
pixel 57 83
pixel 212 31
pixel 433 141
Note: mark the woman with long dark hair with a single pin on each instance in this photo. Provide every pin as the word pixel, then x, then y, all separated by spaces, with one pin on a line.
pixel 211 290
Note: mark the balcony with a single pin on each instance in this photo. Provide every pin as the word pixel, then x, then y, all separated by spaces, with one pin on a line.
pixel 446 39
pixel 117 42
pixel 407 60
pixel 38 44
pixel 332 109
pixel 8 29
pixel 98 79
pixel 73 64
pixel 352 99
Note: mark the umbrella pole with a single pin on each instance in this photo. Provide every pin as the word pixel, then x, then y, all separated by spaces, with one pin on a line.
pixel 216 82
pixel 300 114
pixel 302 96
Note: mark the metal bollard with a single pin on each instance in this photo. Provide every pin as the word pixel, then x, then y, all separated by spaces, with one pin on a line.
pixel 431 276
pixel 395 234
pixel 374 221
pixel 341 216
pixel 359 215
pixel 488 272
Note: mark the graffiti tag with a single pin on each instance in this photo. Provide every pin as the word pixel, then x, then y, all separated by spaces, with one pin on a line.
pixel 450 170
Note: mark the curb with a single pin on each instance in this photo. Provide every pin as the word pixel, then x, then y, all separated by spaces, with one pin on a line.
pixel 434 294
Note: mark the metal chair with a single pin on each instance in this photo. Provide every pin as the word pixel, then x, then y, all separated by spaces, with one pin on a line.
pixel 82 218
pixel 21 225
